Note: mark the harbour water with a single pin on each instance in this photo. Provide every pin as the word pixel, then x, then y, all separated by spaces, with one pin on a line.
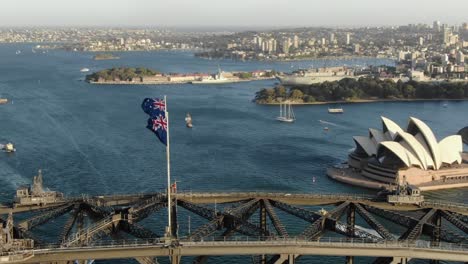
pixel 91 139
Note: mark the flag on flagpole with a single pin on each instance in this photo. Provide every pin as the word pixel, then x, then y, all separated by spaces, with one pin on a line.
pixel 156 109
pixel 159 126
pixel 154 106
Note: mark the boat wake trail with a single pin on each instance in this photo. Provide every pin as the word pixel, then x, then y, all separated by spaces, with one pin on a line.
pixel 72 140
pixel 330 123
pixel 9 176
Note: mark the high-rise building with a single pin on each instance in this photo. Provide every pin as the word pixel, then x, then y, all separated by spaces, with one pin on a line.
pixel 447 35
pixel 286 44
pixel 258 42
pixel 436 25
pixel 357 48
pixel 460 57
pixel 271 45
pixel 332 37
pixel 324 41
pixel 421 41
pixel 445 60
pixel 296 42
pixel 348 38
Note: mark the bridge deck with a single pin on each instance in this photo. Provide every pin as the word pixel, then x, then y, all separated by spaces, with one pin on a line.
pixel 335 247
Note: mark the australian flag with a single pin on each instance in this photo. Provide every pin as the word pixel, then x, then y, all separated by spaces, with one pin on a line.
pixel 156 109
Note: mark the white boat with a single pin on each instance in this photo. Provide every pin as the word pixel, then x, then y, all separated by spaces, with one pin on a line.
pixel 338 110
pixel 7 147
pixel 3 100
pixel 84 70
pixel 188 120
pixel 18 52
pixel 286 113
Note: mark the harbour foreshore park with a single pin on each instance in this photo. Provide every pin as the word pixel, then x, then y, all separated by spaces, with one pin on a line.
pixel 386 158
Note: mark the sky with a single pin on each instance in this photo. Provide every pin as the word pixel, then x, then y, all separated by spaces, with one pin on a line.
pixel 233 13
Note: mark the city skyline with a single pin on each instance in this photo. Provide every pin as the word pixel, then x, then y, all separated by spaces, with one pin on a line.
pixel 241 14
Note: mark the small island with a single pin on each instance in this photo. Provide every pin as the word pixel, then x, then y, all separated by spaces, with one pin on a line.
pixel 105 56
pixel 142 75
pixel 120 75
pixel 365 89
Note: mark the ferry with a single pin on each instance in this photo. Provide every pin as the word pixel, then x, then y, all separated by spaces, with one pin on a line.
pixel 3 100
pixel 84 70
pixel 335 110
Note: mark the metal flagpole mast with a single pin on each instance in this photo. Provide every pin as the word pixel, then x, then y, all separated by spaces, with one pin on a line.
pixel 168 158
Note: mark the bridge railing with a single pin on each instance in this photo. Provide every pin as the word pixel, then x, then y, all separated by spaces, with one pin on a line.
pixel 245 240
pixel 444 204
pixel 343 196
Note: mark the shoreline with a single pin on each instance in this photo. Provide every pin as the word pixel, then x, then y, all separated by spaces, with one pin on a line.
pixel 305 59
pixel 361 101
pixel 176 82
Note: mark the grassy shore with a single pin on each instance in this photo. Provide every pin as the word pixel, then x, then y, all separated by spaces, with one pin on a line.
pixel 358 101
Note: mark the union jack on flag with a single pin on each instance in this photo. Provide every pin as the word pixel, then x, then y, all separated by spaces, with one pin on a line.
pixel 154 106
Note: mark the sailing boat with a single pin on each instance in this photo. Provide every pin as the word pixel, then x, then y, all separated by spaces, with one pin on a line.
pixel 286 113
pixel 188 120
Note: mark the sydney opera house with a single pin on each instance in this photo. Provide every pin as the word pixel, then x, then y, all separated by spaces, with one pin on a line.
pixel 393 155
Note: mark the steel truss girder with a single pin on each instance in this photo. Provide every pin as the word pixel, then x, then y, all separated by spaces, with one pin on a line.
pixel 137 230
pixel 374 223
pixel 275 219
pixel 202 211
pixel 452 218
pixel 141 213
pixel 414 232
pixel 207 229
pixel 328 220
pixel 146 207
pixel 98 229
pixel 98 212
pixel 408 221
pixel 304 214
pixel 461 217
pixel 218 223
pixel 67 227
pixel 44 217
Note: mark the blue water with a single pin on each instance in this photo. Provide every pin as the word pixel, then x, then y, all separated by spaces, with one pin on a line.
pixel 92 139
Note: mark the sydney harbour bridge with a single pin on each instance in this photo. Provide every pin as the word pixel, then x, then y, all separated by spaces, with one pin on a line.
pixel 235 224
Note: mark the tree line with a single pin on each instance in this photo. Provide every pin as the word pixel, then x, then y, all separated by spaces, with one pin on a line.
pixel 120 74
pixel 349 89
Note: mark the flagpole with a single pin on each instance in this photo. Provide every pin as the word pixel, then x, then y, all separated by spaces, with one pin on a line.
pixel 168 158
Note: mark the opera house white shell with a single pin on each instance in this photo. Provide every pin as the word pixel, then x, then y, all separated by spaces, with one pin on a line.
pixel 415 156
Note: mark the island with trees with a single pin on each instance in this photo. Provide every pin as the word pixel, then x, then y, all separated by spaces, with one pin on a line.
pixel 363 90
pixel 142 75
pixel 105 56
pixel 121 75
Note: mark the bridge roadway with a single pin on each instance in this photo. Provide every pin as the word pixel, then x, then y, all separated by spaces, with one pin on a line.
pixel 316 199
pixel 228 197
pixel 251 246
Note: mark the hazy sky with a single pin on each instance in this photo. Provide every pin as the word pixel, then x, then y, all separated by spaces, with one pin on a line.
pixel 219 13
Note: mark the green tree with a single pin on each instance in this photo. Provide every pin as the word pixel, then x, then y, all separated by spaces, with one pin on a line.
pixel 296 94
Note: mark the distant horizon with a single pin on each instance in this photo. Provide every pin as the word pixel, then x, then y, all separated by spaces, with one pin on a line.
pixel 243 14
pixel 218 28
